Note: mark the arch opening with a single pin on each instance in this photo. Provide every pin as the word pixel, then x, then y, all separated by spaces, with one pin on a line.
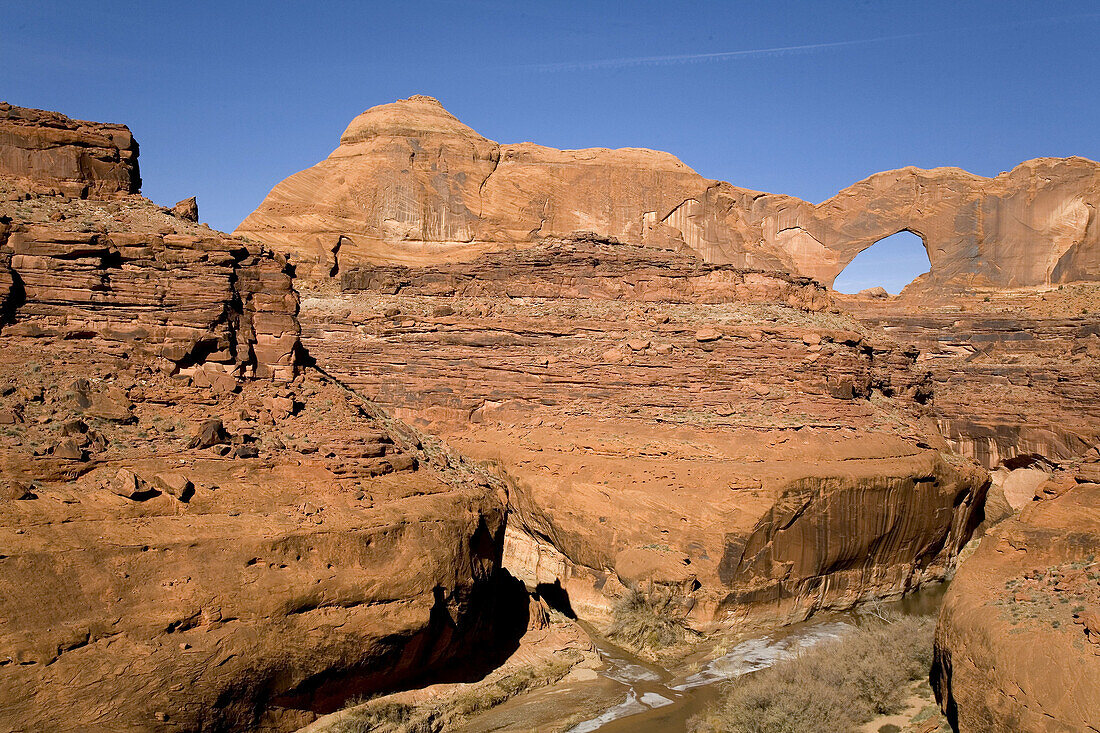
pixel 891 263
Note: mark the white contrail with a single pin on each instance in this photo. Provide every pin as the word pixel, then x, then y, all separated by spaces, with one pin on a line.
pixel 777 50
pixel 694 57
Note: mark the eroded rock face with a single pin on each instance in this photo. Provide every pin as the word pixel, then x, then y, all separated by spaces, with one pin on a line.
pixel 184 545
pixel 73 158
pixel 705 431
pixel 410 184
pixel 1018 641
pixel 1016 373
pixel 583 266
pixel 152 583
pixel 124 271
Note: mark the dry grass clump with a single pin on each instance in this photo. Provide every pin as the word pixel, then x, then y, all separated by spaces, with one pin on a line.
pixel 831 687
pixel 383 716
pixel 646 624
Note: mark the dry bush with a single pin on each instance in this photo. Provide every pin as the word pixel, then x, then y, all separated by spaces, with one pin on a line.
pixel 647 624
pixel 382 716
pixel 832 687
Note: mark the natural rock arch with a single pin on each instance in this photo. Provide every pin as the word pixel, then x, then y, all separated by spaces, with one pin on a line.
pixel 909 258
pixel 1033 225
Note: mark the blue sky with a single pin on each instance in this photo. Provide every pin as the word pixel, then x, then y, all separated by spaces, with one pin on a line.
pixel 804 98
pixel 892 262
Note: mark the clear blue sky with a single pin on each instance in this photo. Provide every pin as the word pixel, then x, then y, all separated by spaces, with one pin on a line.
pixel 227 98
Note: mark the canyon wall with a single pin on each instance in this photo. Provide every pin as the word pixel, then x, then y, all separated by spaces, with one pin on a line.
pixel 1016 374
pixel 410 184
pixel 199 532
pixel 707 432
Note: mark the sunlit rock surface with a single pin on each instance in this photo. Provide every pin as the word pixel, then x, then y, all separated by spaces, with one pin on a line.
pixel 197 531
pixel 410 184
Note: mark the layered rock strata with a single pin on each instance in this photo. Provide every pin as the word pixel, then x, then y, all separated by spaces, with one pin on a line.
pixel 1018 640
pixel 1016 373
pixel 760 453
pixel 54 154
pixel 184 545
pixel 125 271
pixel 410 184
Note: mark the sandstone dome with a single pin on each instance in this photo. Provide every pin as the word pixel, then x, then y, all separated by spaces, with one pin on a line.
pixel 418 115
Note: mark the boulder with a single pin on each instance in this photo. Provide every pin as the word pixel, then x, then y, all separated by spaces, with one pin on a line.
pixel 70 449
pixel 126 484
pixel 187 209
pixel 1016 644
pixel 209 433
pixel 704 335
pixel 174 484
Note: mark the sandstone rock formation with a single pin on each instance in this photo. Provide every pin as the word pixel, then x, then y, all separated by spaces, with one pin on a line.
pixel 51 152
pixel 410 184
pixel 182 547
pixel 227 308
pixel 187 209
pixel 200 531
pixel 1016 374
pixel 302 559
pixel 1018 641
pixel 679 415
pixel 759 454
pixel 124 270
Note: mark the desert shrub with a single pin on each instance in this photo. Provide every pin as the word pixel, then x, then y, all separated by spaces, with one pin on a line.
pixel 390 717
pixel 832 687
pixel 380 716
pixel 647 624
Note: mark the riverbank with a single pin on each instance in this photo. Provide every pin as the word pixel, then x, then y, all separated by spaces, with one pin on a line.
pixel 569 678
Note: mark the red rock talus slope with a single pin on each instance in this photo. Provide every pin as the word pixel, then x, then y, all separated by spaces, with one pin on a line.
pixel 1018 641
pixel 50 152
pixel 693 430
pixel 411 184
pixel 181 550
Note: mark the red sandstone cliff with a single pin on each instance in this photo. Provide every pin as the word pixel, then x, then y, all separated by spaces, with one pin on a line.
pixel 410 184
pixel 50 152
pixel 197 532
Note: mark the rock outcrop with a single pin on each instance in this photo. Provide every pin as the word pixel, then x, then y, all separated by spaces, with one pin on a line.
pixel 1016 374
pixel 197 532
pixel 115 267
pixel 410 184
pixel 308 554
pixel 1018 640
pixel 705 431
pixel 74 158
